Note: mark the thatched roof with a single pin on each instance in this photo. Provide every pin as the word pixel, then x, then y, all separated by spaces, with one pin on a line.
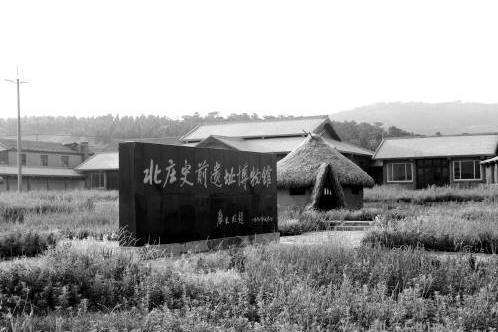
pixel 326 174
pixel 299 168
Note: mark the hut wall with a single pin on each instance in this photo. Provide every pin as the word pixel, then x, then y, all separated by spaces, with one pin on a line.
pixel 286 201
pixel 353 197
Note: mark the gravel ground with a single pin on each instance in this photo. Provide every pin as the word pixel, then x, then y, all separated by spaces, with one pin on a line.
pixel 348 239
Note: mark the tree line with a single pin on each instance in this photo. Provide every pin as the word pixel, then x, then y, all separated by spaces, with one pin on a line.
pixel 109 127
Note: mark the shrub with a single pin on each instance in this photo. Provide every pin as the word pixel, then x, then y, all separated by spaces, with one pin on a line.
pixel 19 243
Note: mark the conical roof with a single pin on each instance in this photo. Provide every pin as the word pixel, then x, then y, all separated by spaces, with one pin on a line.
pixel 299 168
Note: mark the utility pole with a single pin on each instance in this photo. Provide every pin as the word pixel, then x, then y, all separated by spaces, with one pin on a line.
pixel 18 82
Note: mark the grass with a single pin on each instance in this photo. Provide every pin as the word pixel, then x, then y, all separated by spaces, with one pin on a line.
pixel 268 288
pixel 89 284
pixel 431 195
pixel 470 226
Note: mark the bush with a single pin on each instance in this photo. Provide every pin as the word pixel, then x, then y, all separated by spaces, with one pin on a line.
pixel 19 243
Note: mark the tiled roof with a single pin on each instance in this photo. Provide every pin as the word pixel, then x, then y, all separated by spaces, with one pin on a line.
pixel 113 147
pixel 263 128
pixel 38 171
pixel 93 145
pixel 100 161
pixel 41 146
pixel 286 144
pixel 437 146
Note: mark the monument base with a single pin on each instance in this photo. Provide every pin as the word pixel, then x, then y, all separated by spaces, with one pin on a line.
pixel 215 244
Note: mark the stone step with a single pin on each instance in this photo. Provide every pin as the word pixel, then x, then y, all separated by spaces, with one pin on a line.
pixel 347 228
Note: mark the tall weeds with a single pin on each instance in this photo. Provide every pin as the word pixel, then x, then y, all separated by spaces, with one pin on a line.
pixel 320 287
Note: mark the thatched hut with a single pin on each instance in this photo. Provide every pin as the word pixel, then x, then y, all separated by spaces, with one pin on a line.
pixel 316 175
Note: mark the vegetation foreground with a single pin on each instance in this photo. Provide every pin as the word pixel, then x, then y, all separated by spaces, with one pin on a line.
pixel 60 269
pixel 269 288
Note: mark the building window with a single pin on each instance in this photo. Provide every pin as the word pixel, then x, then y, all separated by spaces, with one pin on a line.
pixel 44 160
pixel 466 170
pixel 294 191
pixel 400 172
pixel 97 180
pixel 23 159
pixel 4 157
pixel 65 161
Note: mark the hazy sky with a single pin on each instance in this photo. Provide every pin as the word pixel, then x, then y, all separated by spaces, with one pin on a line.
pixel 270 57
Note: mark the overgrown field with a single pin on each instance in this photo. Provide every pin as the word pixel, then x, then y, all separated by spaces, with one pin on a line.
pixel 86 286
pixel 31 222
pixel 431 194
pixel 441 219
pixel 60 269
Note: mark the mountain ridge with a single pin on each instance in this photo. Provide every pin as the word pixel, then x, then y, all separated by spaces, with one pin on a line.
pixel 449 118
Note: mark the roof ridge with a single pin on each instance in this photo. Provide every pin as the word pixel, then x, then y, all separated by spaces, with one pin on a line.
pixel 227 137
pixel 214 123
pixel 165 137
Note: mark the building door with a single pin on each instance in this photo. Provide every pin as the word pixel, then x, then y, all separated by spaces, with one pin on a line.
pixel 432 172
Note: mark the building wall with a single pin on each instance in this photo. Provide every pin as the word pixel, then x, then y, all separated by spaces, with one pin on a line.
pixel 364 162
pixel 33 159
pixel 108 180
pixel 495 172
pixel 452 181
pixel 490 173
pixel 41 183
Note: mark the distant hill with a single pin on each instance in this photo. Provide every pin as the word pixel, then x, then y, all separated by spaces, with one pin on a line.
pixel 425 118
pixel 99 131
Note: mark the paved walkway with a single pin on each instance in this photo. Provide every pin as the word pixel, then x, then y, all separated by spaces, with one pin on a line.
pixel 347 239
